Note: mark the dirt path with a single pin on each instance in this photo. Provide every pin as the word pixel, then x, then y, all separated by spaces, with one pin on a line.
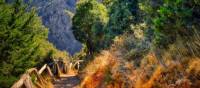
pixel 67 82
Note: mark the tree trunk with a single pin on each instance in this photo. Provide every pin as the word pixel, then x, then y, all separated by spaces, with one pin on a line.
pixel 90 47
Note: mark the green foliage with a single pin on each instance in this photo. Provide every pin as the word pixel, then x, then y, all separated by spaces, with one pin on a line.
pixel 169 45
pixel 107 3
pixel 82 54
pixel 88 23
pixel 197 2
pixel 165 20
pixel 23 41
pixel 122 15
pixel 168 19
pixel 171 19
pixel 7 81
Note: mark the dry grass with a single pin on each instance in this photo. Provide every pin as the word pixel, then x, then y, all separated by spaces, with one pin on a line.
pixel 111 70
pixel 150 74
pixel 95 70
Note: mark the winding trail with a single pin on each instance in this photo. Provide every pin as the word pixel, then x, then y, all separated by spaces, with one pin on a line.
pixel 67 82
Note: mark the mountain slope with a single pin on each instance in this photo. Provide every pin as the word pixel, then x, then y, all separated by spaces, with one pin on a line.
pixel 54 16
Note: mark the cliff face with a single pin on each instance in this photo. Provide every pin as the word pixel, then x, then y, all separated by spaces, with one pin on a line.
pixel 54 16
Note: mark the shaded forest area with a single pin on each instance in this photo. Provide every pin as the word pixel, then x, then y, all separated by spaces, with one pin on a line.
pixel 126 43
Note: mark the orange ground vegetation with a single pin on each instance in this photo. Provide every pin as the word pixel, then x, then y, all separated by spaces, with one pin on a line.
pixel 178 67
pixel 109 71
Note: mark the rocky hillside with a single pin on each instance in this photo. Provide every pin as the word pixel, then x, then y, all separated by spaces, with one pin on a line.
pixel 56 15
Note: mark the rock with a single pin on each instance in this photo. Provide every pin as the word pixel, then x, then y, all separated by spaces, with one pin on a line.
pixel 55 17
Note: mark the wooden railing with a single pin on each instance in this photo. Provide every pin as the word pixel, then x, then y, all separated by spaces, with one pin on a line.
pixel 34 78
pixel 43 77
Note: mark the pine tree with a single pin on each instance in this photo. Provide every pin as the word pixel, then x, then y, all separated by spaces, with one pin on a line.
pixel 23 41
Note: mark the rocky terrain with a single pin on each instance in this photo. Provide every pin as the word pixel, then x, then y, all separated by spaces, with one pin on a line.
pixel 56 15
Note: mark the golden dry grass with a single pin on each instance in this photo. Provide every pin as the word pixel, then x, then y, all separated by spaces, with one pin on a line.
pixel 150 75
pixel 95 70
pixel 182 70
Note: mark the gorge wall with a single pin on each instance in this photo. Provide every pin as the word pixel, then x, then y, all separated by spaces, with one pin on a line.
pixel 55 16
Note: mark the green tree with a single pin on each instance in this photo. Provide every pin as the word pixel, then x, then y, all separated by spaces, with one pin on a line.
pixel 23 41
pixel 121 15
pixel 171 21
pixel 88 23
pixel 167 18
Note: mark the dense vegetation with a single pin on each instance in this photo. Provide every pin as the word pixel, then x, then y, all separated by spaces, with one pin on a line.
pixel 89 22
pixel 23 41
pixel 126 43
pixel 156 39
pixel 160 22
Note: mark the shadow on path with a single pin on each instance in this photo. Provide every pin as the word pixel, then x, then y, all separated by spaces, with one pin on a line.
pixel 67 82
